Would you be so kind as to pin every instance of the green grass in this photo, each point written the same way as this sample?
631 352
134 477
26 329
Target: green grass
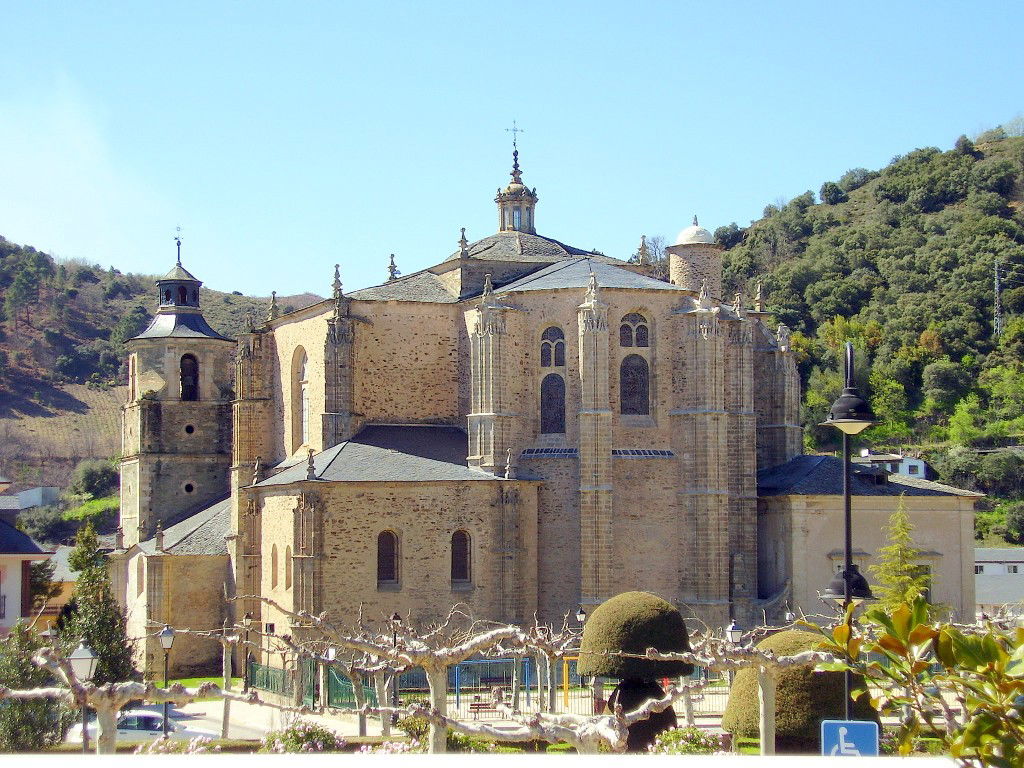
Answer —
94 509
195 682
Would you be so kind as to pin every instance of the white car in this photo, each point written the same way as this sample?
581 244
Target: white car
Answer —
138 725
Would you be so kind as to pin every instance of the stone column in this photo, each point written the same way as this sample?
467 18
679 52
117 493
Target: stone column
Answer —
595 450
339 371
490 420
741 466
699 439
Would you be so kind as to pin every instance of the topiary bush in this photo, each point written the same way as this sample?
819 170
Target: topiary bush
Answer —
803 698
633 622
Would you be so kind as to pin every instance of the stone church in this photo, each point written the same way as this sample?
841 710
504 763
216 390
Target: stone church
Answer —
523 428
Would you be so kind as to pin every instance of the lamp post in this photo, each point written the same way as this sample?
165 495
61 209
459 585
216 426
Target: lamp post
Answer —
395 621
166 641
83 664
733 633
246 622
581 615
851 415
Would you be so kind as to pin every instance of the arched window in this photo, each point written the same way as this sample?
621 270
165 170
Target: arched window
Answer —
167 296
300 399
634 386
288 567
182 295
273 566
461 557
633 331
552 348
140 575
189 377
552 405
387 558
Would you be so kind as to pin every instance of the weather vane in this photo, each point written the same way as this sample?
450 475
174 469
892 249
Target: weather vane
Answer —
177 239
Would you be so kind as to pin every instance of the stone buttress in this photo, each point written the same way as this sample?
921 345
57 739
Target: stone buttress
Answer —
490 419
595 452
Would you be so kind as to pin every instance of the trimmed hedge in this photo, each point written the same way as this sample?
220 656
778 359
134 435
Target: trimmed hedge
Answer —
633 622
802 698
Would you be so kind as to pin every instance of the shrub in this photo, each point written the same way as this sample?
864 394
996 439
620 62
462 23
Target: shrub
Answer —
462 742
200 745
633 622
391 748
94 478
803 698
301 736
25 726
686 741
415 728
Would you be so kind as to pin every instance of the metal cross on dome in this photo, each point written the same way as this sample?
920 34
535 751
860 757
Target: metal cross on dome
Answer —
514 130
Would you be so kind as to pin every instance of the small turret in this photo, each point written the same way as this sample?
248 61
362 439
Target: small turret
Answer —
695 259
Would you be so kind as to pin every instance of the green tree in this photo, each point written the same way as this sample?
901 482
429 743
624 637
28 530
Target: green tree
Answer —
1014 520
96 617
964 424
25 726
94 478
41 585
832 194
898 575
945 382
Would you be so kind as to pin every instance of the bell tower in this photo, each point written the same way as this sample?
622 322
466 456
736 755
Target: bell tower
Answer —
516 204
176 424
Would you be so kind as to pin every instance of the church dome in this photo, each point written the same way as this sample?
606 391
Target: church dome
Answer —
694 234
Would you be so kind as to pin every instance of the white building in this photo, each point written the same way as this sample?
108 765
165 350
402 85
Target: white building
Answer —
998 578
17 552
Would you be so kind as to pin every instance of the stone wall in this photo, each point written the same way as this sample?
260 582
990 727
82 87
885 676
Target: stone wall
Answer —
423 516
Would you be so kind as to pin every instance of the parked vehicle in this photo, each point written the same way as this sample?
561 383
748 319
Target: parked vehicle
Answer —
137 725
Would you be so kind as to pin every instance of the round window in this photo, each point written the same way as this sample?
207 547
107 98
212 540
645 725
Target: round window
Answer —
189 429
189 487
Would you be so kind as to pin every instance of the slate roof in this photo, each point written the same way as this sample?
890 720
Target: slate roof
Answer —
999 554
61 570
14 542
575 273
390 454
180 325
202 533
179 273
524 247
419 286
823 475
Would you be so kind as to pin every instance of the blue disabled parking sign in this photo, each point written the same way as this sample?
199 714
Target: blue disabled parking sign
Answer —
849 738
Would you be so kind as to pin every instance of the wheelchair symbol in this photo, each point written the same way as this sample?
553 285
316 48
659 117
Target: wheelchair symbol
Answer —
844 748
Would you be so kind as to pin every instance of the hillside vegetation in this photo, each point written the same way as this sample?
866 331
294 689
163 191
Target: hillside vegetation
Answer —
63 359
902 262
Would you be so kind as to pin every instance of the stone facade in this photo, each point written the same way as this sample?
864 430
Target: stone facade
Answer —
523 428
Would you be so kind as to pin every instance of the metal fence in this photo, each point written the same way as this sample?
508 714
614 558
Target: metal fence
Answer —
470 684
341 692
271 679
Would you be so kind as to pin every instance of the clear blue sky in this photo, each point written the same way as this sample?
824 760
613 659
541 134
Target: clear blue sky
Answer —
285 137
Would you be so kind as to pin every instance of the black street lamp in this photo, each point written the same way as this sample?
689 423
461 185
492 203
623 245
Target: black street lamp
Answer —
851 415
581 615
83 664
166 641
733 633
395 621
246 622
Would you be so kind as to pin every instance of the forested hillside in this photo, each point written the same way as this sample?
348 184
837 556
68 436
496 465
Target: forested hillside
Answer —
62 356
902 262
